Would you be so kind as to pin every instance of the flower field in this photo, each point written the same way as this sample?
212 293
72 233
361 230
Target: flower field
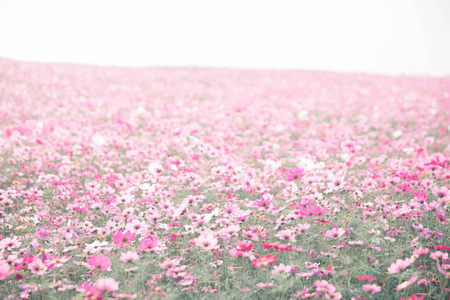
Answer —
196 183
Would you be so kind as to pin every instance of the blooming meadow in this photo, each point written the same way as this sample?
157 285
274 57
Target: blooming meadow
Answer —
191 183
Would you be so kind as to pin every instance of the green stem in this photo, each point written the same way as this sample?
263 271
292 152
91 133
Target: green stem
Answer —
443 289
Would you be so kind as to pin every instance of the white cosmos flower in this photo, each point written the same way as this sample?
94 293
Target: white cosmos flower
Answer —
154 166
97 243
302 115
409 150
98 140
397 133
279 128
345 157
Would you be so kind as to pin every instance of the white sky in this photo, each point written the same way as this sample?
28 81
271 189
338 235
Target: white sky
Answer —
398 37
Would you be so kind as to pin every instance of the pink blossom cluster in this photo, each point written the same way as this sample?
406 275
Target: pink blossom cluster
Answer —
133 183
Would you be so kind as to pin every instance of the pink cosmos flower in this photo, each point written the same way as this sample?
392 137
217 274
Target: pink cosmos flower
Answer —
169 263
176 272
264 285
336 184
304 294
129 256
310 211
37 267
326 289
295 174
137 227
230 210
187 281
10 243
5 269
414 242
264 261
303 227
419 252
124 296
148 243
277 246
23 263
264 203
373 288
283 269
446 273
123 239
285 234
399 265
334 233
283 247
107 284
414 297
244 245
440 192
207 241
100 262
368 278
407 283
404 189
90 291
439 255
358 243
424 281
235 252
57 262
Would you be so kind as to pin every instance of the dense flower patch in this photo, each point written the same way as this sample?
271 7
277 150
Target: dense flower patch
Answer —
135 183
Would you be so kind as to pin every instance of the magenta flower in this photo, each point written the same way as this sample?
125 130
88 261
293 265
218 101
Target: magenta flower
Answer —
264 261
24 262
310 211
404 189
264 203
244 245
295 174
277 246
123 239
368 278
90 291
